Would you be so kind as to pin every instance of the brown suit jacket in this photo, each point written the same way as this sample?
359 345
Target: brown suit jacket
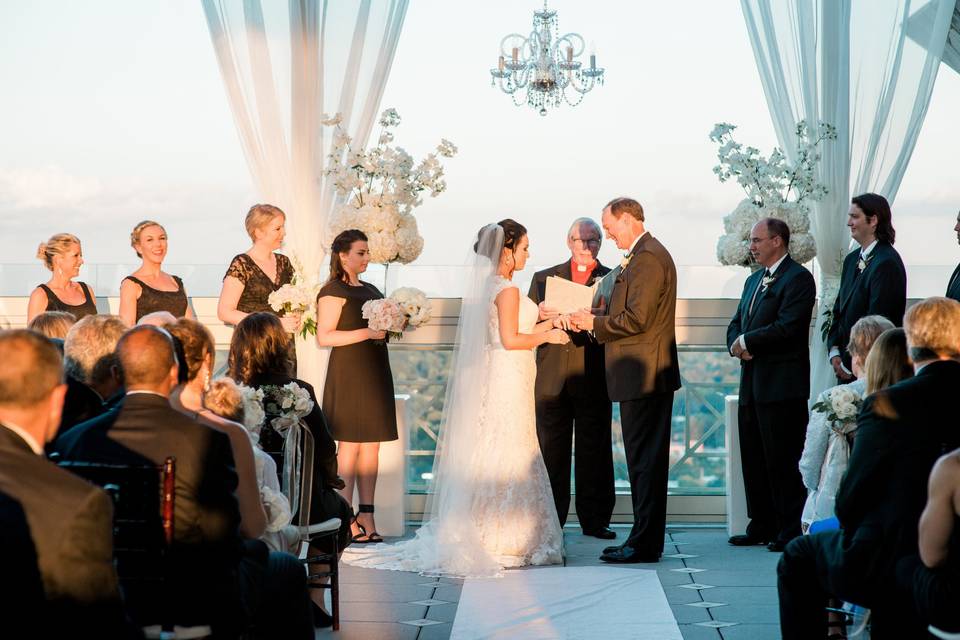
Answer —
71 523
638 334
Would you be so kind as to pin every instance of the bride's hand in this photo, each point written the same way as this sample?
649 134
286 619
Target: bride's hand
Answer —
562 322
557 336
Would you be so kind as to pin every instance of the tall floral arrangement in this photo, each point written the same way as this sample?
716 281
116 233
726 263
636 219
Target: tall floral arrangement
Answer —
775 189
380 187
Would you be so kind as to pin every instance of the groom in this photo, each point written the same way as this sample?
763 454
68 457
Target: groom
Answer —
640 347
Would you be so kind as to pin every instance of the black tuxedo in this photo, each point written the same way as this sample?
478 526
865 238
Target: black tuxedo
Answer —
71 525
572 404
953 285
774 387
902 430
881 289
640 350
145 430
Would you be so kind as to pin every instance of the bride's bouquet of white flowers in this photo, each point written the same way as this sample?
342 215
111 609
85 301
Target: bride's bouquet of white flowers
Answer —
380 188
299 297
841 405
406 308
774 188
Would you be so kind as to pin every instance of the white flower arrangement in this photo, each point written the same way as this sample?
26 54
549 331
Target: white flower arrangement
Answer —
406 309
841 404
288 404
253 413
380 187
300 297
774 190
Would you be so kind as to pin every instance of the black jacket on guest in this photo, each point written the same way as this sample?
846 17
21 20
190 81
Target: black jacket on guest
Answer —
578 365
881 289
79 405
776 334
145 429
953 285
902 430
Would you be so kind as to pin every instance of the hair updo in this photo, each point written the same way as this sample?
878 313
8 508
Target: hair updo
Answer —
137 230
513 232
57 245
259 216
342 244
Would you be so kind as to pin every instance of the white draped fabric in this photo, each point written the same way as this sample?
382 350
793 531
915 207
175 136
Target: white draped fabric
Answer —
849 63
284 65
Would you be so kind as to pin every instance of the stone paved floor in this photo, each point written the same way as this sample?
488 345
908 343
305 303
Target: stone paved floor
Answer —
388 605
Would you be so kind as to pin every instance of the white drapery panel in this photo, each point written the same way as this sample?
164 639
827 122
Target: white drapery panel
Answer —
849 63
283 66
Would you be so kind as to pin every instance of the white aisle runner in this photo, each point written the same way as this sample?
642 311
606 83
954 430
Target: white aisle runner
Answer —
566 602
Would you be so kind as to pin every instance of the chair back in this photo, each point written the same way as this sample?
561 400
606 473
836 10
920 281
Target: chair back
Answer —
300 500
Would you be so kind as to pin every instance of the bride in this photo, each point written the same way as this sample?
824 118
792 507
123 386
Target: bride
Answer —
490 505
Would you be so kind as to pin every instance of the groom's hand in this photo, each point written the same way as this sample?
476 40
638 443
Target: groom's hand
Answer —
547 313
582 319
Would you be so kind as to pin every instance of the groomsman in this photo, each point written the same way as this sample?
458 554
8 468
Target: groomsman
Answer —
571 397
640 351
953 285
873 281
770 334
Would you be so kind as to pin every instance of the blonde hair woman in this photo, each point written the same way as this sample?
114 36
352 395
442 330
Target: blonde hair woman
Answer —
53 324
61 254
259 271
149 288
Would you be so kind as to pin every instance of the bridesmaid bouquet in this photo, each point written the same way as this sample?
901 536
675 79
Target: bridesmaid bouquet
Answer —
297 298
841 406
406 308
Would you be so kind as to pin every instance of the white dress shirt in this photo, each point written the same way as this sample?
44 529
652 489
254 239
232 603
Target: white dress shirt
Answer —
773 270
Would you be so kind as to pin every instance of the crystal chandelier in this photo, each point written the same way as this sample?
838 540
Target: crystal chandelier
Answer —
542 69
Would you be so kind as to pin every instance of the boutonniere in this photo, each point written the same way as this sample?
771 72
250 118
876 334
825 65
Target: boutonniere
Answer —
862 263
767 281
625 260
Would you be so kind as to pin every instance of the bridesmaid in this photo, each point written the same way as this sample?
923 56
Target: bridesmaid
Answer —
61 254
255 274
358 395
149 288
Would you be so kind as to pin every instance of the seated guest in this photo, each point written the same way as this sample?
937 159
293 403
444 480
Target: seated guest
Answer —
21 589
827 445
198 351
157 319
93 377
53 324
902 430
149 289
208 582
225 399
888 362
259 358
934 577
70 521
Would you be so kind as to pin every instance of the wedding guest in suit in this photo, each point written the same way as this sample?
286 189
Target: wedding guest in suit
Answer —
769 333
358 395
902 431
953 285
259 359
61 254
188 397
873 280
640 351
259 271
571 397
934 577
149 288
53 324
70 521
214 577
21 588
94 378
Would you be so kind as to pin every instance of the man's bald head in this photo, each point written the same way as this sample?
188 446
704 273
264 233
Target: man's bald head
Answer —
148 360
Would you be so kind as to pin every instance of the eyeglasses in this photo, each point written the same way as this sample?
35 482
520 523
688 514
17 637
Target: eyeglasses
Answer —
585 241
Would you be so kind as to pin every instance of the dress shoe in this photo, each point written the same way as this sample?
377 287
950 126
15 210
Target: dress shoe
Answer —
777 546
746 540
615 547
321 619
629 555
604 533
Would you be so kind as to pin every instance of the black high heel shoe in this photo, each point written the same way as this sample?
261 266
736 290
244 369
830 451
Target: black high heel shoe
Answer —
321 618
365 538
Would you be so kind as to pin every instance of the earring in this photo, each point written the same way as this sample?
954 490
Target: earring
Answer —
206 382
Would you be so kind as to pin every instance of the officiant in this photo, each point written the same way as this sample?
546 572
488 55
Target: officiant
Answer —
571 397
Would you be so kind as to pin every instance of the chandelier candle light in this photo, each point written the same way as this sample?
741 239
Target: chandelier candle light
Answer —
542 69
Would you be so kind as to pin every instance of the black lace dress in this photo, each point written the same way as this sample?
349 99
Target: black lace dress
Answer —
358 395
152 300
257 286
87 308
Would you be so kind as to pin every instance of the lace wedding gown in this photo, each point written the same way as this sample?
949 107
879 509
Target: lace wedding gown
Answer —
508 518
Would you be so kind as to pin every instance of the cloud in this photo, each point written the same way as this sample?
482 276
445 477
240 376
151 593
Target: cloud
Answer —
46 187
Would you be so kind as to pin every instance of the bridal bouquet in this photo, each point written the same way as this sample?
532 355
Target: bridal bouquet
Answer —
774 188
380 188
840 404
406 308
300 297
288 404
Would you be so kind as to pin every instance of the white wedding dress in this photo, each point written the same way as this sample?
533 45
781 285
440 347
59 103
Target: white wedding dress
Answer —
492 507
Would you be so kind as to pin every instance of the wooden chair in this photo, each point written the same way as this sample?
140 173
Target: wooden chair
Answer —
143 526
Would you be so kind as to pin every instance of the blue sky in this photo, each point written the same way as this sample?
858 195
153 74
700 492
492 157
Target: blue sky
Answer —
115 112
